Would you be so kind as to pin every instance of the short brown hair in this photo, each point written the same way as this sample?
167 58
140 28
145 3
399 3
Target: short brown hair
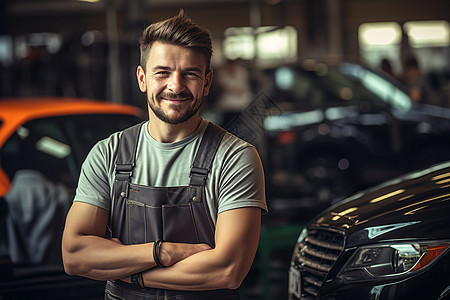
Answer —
180 31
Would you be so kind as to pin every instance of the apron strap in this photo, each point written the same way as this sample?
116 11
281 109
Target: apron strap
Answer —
126 157
205 154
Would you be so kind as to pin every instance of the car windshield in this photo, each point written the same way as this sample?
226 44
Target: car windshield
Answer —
379 86
347 84
43 160
57 146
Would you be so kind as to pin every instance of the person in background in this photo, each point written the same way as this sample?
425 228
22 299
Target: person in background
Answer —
386 67
233 89
419 87
170 208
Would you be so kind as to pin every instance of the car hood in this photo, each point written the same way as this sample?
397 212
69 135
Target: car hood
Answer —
414 206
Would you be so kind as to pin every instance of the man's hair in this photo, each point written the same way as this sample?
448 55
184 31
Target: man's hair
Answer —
179 31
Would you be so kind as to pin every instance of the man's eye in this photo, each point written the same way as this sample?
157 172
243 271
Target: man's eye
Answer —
191 74
162 73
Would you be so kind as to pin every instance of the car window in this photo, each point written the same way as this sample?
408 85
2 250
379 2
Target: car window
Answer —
378 86
328 86
57 146
321 87
38 145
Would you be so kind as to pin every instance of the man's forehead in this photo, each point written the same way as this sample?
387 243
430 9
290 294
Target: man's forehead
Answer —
171 56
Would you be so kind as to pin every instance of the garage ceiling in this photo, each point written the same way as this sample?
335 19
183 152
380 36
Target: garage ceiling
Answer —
18 7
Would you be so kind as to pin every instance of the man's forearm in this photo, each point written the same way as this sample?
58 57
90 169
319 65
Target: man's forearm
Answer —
102 259
202 271
86 252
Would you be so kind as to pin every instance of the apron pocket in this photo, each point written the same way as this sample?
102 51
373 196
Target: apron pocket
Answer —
179 225
143 223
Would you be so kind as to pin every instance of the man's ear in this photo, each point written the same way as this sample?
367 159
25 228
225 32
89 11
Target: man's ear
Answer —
140 74
208 82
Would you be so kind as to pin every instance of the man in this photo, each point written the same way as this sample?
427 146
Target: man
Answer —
183 204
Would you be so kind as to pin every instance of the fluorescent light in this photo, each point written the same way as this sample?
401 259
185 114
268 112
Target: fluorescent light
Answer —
264 43
428 33
53 147
379 34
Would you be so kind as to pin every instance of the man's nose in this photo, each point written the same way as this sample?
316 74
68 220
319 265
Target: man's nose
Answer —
176 83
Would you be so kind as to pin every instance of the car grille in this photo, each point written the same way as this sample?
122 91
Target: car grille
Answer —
316 255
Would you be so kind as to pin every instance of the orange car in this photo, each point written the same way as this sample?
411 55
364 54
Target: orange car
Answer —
53 135
43 143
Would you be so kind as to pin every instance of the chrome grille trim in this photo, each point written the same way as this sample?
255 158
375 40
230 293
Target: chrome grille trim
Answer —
311 291
322 244
313 281
321 267
316 255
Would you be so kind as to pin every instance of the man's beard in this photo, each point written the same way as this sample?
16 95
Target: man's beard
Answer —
180 118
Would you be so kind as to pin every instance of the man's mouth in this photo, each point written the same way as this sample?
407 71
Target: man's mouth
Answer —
176 98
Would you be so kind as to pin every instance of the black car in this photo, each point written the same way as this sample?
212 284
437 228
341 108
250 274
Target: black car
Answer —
339 128
388 242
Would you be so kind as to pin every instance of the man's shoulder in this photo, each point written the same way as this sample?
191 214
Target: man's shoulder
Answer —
235 150
108 146
232 141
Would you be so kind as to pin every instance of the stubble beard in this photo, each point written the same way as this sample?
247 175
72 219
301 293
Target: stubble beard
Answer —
154 104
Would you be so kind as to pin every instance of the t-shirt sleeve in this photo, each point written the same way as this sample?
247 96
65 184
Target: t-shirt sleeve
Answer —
94 183
242 181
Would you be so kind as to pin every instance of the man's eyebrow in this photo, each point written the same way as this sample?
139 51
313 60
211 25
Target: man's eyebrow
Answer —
156 68
193 69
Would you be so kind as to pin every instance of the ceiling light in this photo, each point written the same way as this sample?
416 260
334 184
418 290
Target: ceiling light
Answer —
90 1
428 33
379 34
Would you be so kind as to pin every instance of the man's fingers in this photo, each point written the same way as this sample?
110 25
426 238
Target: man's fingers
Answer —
116 240
171 253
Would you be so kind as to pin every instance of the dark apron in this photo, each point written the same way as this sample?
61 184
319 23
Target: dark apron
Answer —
143 214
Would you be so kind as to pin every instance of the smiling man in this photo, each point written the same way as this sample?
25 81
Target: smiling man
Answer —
170 208
176 83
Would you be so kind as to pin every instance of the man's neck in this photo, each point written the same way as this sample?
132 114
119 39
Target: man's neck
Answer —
167 133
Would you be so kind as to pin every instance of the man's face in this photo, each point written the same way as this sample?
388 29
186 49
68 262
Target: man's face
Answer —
175 82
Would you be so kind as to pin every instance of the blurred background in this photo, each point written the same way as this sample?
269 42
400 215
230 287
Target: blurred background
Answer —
89 48
337 95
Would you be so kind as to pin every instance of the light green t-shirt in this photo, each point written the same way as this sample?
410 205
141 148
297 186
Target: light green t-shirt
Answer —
235 180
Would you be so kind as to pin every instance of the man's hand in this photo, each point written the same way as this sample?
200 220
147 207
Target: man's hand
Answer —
171 253
117 241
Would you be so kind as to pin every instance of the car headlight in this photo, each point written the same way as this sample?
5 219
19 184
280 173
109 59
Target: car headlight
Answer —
370 262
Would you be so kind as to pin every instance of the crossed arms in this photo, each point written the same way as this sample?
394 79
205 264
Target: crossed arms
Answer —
86 252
